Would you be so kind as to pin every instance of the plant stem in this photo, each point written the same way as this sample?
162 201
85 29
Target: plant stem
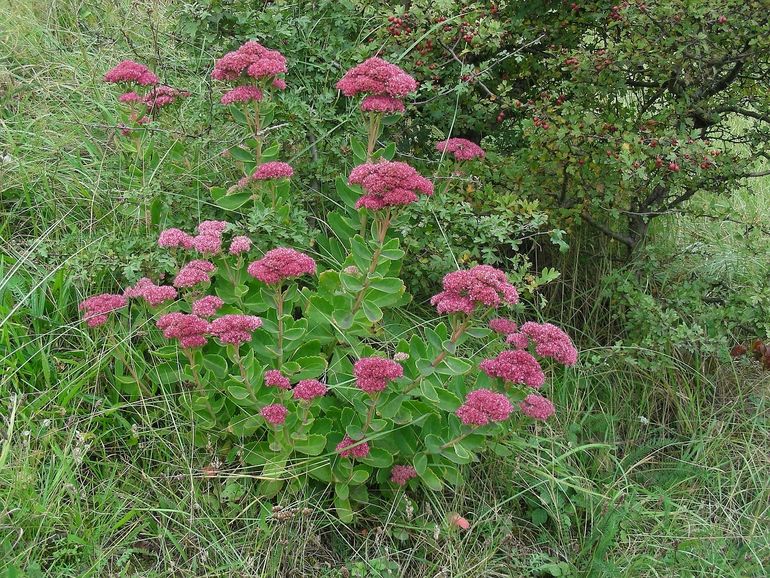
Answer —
382 230
373 130
257 135
453 441
196 375
370 413
279 310
127 365
456 334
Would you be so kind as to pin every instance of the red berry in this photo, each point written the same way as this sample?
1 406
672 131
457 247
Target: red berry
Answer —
673 167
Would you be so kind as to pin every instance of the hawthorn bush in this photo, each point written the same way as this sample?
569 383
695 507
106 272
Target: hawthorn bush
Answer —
292 361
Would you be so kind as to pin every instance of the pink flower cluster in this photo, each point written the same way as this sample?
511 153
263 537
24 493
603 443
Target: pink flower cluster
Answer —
503 326
515 367
272 170
309 389
374 373
388 184
189 330
253 59
207 306
274 414
129 71
377 77
129 97
208 240
235 329
274 378
197 271
347 449
480 285
537 407
243 93
280 264
98 307
160 96
550 341
152 293
175 239
240 244
461 149
483 406
402 474
386 104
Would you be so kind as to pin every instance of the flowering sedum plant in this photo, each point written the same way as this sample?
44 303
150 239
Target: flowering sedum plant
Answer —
292 360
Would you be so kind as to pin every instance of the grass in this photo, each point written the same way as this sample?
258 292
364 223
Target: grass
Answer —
658 470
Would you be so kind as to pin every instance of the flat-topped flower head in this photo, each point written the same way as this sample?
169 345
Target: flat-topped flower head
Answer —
160 96
374 373
129 97
551 341
131 72
388 184
309 389
274 414
175 239
152 293
195 272
97 308
376 76
385 104
272 170
483 406
189 330
279 83
402 474
503 326
537 407
207 244
239 245
243 93
281 264
207 306
347 448
235 329
461 149
518 367
251 59
274 378
482 285
212 227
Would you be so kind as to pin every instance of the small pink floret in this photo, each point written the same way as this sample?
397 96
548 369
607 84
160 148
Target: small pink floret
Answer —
98 307
274 414
347 449
235 329
129 71
402 474
280 264
482 285
483 406
374 373
518 367
377 77
152 293
309 389
461 149
384 104
537 407
274 378
207 306
388 184
272 170
240 245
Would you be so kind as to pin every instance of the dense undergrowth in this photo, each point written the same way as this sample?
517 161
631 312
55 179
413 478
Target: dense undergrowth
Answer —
656 462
